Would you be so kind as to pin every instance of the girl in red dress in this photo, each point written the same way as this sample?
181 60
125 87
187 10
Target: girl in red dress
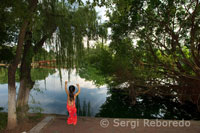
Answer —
71 106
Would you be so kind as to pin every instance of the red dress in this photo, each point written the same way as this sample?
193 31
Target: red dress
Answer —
72 119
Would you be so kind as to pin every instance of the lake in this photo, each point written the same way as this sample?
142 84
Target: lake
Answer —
49 96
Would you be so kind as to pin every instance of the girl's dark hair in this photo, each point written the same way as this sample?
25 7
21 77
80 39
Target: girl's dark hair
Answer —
71 92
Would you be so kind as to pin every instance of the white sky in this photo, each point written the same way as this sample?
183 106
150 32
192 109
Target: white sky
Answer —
101 11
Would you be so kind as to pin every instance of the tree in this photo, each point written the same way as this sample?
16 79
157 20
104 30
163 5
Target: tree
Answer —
168 31
36 23
12 122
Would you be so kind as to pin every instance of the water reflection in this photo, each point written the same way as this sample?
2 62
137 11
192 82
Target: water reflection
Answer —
85 110
118 105
49 96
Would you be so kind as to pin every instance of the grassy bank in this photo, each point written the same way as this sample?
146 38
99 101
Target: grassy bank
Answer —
3 120
33 119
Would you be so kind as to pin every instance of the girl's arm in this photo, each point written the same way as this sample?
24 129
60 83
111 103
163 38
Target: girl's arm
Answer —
66 88
79 89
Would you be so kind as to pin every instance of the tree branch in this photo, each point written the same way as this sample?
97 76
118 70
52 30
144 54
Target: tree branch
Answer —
40 43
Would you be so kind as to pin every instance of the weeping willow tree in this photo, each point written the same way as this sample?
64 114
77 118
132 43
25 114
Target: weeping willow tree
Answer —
60 25
77 24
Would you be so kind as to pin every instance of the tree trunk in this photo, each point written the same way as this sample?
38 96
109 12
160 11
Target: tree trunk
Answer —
26 83
132 94
22 99
12 121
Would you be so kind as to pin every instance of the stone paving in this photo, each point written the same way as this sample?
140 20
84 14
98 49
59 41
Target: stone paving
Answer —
116 125
41 124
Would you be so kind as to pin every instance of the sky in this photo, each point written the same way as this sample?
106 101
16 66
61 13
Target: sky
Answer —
101 11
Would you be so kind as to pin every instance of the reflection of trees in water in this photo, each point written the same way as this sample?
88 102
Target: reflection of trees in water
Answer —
85 110
36 108
41 73
36 74
149 107
4 75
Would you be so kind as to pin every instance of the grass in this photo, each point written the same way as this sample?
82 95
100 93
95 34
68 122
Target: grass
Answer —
4 116
35 117
3 120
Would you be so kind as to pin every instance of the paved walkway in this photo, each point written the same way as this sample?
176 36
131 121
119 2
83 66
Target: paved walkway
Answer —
112 125
41 124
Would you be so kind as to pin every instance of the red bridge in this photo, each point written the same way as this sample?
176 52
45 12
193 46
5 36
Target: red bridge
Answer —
46 62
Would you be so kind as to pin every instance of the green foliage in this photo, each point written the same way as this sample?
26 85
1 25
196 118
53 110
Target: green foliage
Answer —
186 51
117 64
90 73
6 54
167 44
9 22
69 21
96 65
76 24
43 54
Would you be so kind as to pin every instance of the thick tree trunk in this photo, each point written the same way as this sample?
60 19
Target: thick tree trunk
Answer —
22 99
12 121
26 84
